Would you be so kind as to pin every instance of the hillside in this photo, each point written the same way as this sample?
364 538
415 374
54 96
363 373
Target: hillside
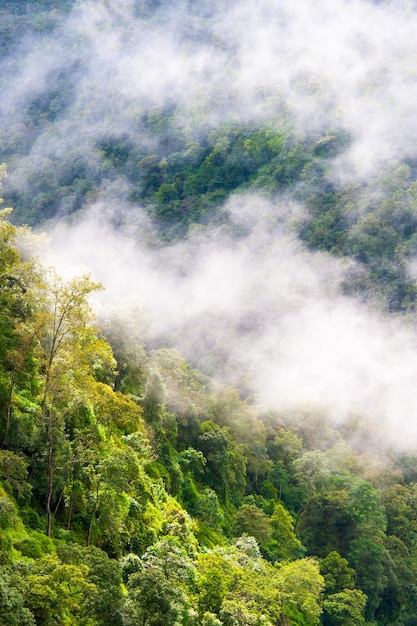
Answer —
133 489
207 376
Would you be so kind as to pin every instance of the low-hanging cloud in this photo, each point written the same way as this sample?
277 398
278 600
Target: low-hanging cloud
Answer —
337 63
258 310
258 307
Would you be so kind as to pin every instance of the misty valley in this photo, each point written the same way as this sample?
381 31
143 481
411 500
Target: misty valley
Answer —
208 294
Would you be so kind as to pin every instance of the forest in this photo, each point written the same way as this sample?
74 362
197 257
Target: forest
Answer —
146 477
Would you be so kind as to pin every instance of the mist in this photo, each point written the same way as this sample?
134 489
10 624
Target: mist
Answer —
259 307
259 312
340 63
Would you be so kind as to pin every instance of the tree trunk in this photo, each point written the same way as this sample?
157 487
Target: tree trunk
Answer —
50 475
61 495
8 410
93 514
118 376
71 503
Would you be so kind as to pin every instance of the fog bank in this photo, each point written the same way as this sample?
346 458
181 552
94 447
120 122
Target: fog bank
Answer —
257 307
258 311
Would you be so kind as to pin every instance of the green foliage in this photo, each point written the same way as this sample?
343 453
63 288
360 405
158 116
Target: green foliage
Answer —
208 509
301 585
215 578
367 557
238 585
158 588
252 521
13 474
226 464
106 605
141 472
8 512
345 608
337 573
56 591
12 609
35 545
286 546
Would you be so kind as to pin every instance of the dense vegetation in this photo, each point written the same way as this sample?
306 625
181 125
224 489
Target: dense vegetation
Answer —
182 182
135 492
133 489
181 167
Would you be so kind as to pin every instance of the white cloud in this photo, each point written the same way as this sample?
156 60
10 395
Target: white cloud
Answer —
335 62
260 303
258 308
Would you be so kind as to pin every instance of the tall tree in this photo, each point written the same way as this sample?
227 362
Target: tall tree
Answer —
70 348
17 304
